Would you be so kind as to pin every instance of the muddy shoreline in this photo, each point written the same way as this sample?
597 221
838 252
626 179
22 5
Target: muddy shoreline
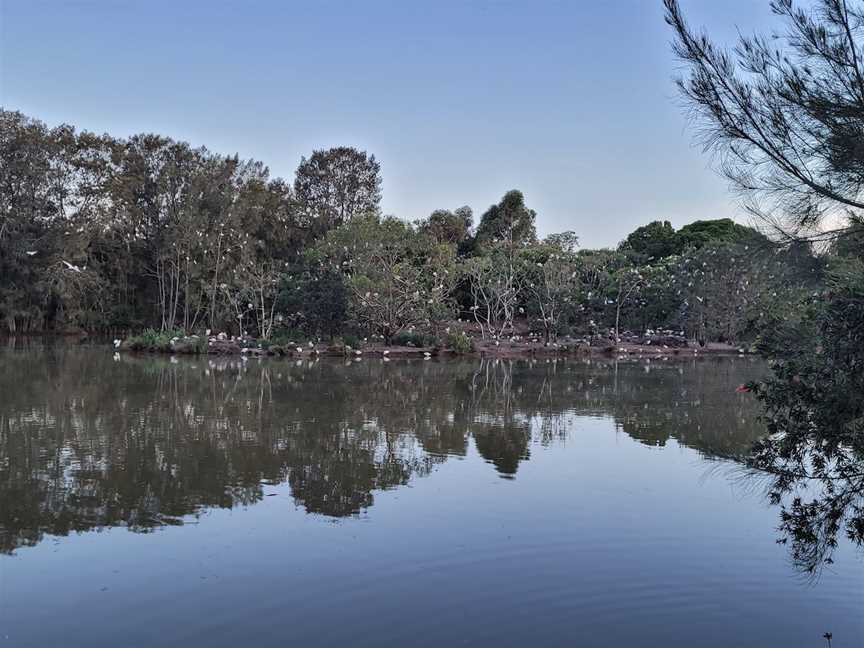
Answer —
502 349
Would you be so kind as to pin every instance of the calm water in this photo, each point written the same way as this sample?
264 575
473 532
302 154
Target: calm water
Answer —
149 501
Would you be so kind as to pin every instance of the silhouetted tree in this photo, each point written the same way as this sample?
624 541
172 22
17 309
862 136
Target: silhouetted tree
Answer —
445 226
510 222
334 185
785 115
700 233
653 241
314 298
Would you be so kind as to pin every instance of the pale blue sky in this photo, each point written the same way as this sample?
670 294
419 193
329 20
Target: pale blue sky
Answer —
571 102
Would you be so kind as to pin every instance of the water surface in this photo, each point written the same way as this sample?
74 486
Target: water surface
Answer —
174 502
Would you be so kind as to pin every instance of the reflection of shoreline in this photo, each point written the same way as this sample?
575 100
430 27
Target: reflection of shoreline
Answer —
87 442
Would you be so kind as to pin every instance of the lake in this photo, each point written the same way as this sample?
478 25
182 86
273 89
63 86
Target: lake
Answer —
225 502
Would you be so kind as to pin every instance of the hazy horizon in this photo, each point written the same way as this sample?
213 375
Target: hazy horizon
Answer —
460 102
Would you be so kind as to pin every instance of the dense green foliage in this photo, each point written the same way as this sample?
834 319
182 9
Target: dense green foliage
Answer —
100 233
815 415
652 241
104 233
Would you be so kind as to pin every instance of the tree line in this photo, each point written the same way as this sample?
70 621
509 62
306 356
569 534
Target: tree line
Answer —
107 234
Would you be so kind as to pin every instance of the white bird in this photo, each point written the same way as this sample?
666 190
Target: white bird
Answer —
70 266
117 343
30 252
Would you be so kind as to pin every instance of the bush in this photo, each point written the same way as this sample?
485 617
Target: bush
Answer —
314 299
285 337
412 339
190 345
153 340
172 341
460 343
350 340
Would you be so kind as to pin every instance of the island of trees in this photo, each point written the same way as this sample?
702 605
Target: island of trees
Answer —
123 235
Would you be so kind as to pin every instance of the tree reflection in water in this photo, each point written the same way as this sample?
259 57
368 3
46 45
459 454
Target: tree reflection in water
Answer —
88 442
813 456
